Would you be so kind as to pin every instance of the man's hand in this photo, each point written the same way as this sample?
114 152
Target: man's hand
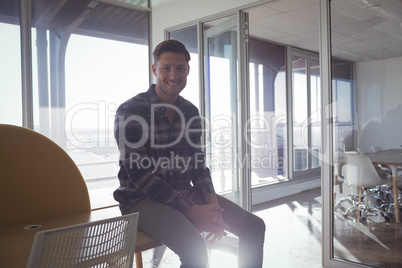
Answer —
205 217
211 199
208 218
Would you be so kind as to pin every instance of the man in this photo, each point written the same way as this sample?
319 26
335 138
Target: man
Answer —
163 174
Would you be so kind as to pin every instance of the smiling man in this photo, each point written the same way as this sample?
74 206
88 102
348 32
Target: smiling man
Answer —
176 199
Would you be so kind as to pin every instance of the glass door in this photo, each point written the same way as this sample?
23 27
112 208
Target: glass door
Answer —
361 90
222 105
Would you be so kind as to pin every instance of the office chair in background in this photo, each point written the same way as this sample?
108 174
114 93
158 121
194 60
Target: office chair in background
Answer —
369 193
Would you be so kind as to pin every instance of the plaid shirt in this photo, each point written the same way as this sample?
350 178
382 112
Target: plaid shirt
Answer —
160 160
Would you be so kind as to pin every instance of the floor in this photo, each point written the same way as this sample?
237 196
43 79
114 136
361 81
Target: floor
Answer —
293 236
378 242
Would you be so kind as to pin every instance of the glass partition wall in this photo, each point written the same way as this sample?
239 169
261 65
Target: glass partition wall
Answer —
278 112
359 89
367 126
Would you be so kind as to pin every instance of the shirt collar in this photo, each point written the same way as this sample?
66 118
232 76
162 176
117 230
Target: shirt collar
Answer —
153 98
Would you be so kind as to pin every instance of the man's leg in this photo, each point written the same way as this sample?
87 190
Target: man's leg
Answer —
249 228
173 229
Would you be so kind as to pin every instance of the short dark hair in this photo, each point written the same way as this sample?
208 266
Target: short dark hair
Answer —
170 45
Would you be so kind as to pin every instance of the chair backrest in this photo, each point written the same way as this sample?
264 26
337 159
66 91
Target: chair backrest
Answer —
359 171
38 180
376 148
104 243
363 150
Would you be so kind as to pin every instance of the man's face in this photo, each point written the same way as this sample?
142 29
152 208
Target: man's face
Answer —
171 73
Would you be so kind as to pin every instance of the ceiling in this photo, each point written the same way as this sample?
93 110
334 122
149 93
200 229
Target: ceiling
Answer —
361 29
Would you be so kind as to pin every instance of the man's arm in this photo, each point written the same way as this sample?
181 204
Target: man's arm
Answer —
129 135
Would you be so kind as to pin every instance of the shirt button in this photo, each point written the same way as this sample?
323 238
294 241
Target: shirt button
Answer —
171 174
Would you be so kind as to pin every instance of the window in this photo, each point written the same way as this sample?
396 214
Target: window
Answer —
306 99
10 65
344 108
268 113
96 84
87 58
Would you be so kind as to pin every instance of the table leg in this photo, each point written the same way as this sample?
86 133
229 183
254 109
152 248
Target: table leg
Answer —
336 182
396 202
138 260
396 195
360 202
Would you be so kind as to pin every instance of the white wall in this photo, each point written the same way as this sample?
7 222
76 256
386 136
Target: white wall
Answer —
176 12
379 100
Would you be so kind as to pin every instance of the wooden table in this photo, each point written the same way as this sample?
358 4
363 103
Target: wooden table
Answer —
16 241
391 158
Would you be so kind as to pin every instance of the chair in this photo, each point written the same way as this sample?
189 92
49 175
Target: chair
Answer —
103 243
40 181
376 148
382 170
366 185
363 150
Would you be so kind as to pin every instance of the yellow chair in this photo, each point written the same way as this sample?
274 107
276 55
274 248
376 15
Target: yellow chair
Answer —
40 181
